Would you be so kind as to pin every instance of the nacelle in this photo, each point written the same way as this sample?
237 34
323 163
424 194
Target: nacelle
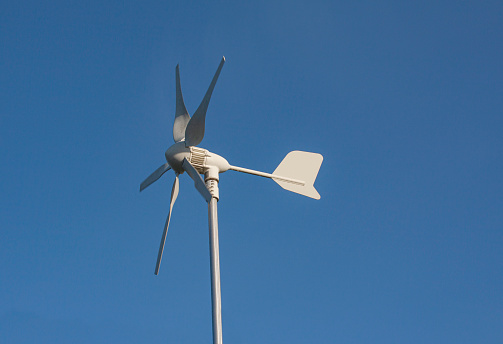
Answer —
202 159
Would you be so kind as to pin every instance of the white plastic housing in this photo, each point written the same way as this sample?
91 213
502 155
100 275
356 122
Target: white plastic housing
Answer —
200 158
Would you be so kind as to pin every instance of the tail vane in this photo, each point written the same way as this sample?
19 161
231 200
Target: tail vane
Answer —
302 166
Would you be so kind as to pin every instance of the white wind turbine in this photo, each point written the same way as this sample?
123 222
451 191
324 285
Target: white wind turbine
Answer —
297 173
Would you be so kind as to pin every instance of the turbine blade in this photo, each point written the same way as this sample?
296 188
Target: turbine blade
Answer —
154 176
195 129
182 116
174 195
198 181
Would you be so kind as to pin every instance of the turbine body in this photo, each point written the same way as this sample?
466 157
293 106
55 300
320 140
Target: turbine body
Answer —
297 173
202 159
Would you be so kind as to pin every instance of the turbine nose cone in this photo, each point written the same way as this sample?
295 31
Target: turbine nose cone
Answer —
175 155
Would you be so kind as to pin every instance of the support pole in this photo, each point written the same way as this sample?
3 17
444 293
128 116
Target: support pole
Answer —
216 300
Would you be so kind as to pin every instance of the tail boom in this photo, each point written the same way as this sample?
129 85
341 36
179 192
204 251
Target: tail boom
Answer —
297 173
267 175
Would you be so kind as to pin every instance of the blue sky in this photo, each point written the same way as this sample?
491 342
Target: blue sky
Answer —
403 100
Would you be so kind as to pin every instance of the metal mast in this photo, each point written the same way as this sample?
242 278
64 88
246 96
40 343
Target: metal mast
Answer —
211 181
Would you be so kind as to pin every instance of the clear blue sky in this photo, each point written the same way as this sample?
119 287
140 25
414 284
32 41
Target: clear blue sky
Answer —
403 99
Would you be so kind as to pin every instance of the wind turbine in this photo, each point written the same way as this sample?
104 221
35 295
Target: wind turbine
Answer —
297 173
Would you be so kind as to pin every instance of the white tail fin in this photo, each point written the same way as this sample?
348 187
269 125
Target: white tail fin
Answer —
302 166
